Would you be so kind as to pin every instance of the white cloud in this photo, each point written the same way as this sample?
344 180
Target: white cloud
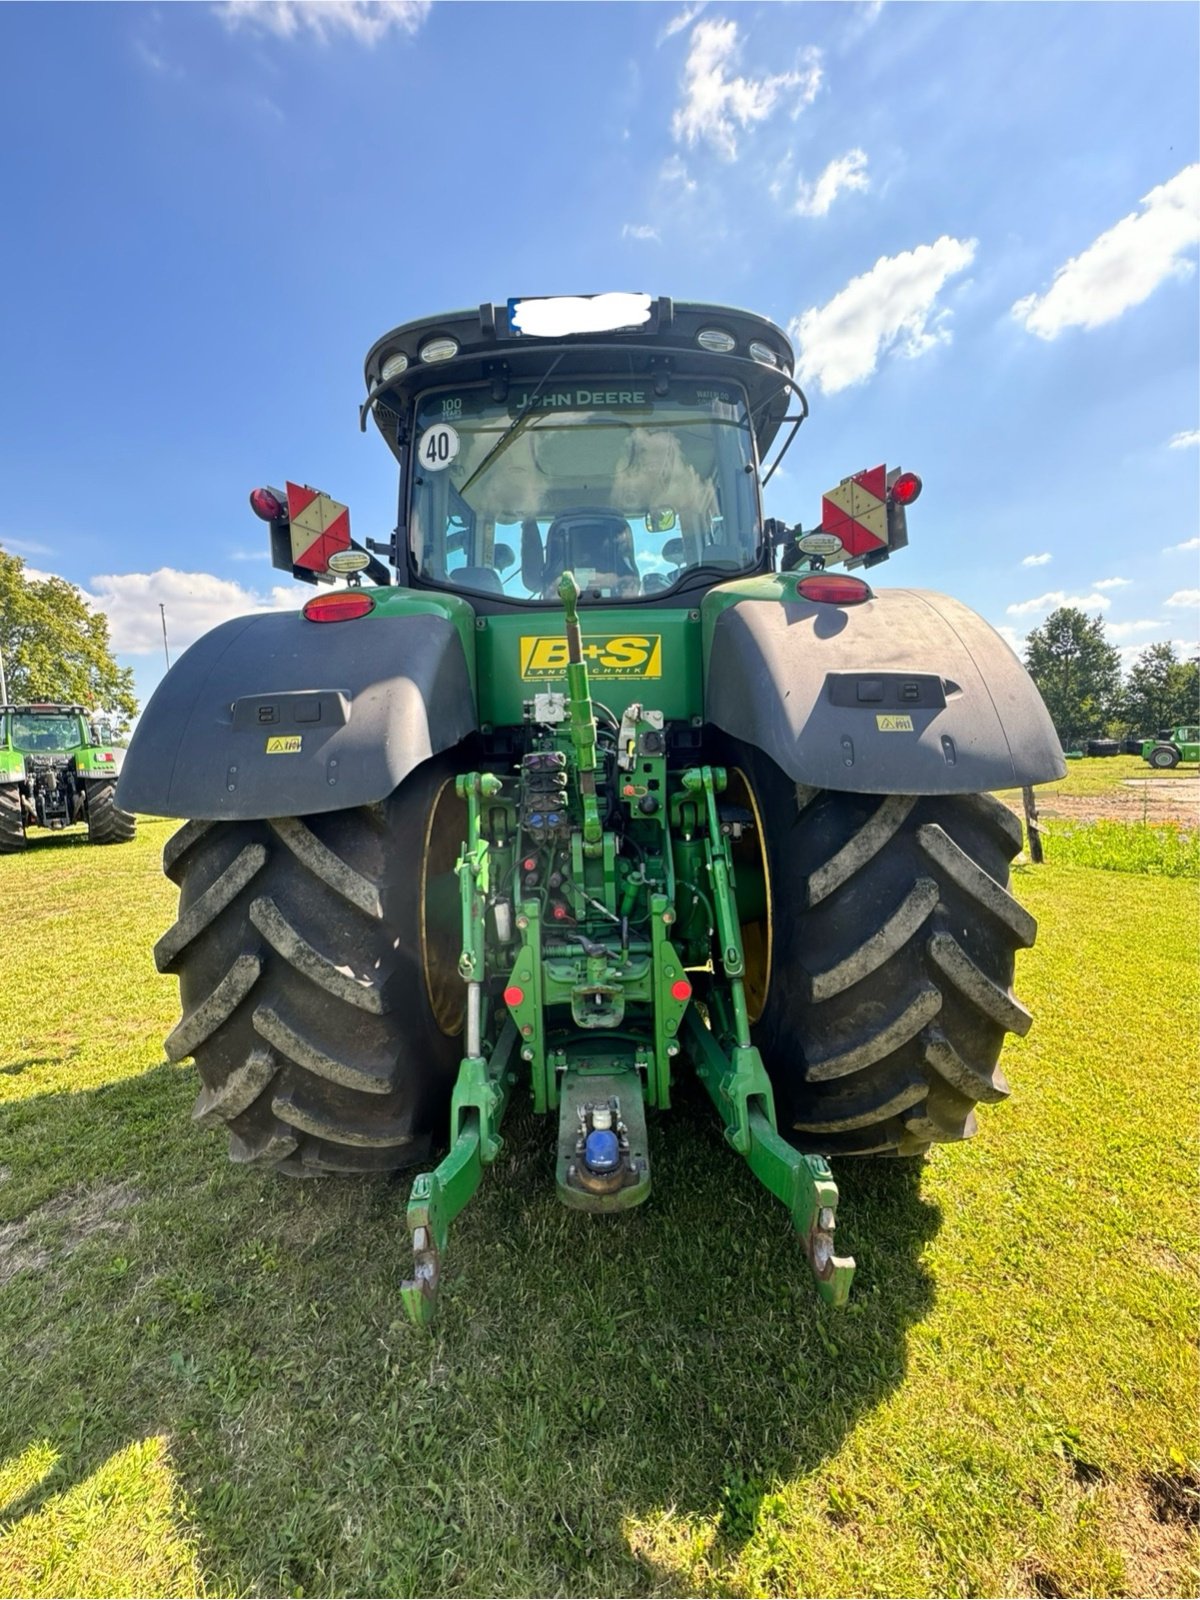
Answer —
249 555
1110 583
1055 599
194 602
714 104
24 547
1036 561
638 230
673 170
843 173
1122 630
890 307
1184 597
366 21
681 20
1124 266
1014 640
1184 441
1188 544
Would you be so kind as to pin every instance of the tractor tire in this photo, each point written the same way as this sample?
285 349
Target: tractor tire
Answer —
1164 757
12 820
106 822
1103 747
324 1036
887 962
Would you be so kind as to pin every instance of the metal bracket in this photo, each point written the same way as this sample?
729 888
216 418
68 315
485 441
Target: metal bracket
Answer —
742 1094
437 1197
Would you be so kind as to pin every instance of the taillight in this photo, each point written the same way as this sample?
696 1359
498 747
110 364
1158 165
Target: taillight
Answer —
905 489
834 589
343 606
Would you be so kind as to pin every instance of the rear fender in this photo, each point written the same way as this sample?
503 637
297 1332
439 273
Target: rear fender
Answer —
273 715
910 692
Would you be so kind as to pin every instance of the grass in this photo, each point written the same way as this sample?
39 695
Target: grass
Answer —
209 1388
1097 775
1160 850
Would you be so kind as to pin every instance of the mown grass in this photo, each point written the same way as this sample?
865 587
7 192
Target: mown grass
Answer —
1097 775
1159 850
208 1385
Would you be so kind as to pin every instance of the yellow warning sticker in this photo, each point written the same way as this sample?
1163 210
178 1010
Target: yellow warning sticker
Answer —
893 724
621 655
287 745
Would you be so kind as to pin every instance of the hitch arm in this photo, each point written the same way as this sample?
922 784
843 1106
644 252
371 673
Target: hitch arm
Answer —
741 1092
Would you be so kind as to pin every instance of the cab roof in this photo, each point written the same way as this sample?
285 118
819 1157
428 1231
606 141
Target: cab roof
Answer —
490 348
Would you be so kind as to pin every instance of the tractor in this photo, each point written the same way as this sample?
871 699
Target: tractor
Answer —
615 783
58 767
1172 747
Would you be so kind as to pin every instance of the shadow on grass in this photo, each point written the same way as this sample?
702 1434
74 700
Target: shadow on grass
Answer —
586 1376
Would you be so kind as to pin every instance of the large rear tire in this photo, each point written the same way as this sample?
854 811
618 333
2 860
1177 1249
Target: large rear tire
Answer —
893 937
319 1003
12 821
106 822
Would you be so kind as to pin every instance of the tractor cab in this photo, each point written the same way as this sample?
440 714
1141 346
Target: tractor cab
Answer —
611 436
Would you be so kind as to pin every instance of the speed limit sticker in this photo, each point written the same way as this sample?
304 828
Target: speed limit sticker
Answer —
437 447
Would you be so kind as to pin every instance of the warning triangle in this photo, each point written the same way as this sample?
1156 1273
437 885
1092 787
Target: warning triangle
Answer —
299 498
874 479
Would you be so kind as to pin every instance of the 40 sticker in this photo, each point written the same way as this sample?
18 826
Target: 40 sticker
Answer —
617 655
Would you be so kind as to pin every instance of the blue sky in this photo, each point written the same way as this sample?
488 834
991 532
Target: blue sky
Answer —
979 223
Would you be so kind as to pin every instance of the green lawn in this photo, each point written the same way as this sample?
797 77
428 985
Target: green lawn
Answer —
208 1385
1093 775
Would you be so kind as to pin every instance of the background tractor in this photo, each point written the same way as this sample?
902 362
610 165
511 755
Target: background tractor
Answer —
615 784
57 768
1169 749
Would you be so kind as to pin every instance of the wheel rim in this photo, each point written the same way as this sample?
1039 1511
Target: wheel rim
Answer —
441 928
750 860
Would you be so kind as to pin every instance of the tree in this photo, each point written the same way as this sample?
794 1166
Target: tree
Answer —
54 647
1077 671
1161 691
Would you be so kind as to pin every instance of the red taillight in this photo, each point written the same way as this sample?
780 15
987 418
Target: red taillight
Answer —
906 488
265 503
833 589
513 996
681 989
343 606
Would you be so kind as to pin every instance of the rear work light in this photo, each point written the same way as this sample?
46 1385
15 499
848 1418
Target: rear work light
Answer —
341 607
834 589
906 489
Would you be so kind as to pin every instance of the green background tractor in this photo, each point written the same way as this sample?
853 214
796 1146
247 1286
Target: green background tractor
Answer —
57 768
615 785
1181 744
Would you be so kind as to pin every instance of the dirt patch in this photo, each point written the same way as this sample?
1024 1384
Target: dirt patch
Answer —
1156 1534
81 1213
1137 800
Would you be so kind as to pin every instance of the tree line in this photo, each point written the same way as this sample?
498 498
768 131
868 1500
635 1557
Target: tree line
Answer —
1079 675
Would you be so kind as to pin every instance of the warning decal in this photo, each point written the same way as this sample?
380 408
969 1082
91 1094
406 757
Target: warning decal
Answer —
856 511
288 744
894 724
320 526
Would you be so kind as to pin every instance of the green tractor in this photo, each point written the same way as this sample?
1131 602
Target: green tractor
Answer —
58 767
617 783
1169 749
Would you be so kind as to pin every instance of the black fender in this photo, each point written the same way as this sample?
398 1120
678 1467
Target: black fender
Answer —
910 692
273 715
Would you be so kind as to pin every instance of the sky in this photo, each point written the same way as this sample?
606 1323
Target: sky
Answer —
979 224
